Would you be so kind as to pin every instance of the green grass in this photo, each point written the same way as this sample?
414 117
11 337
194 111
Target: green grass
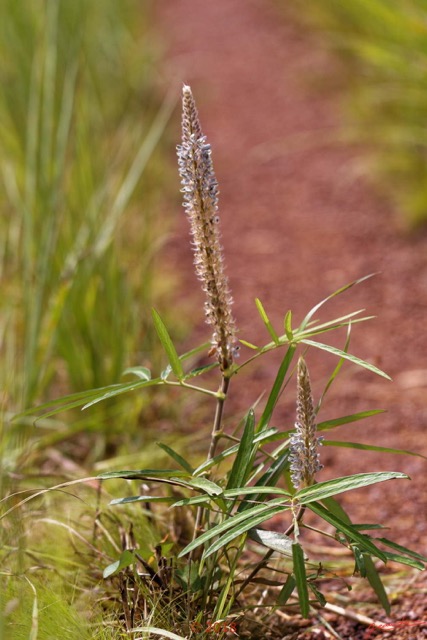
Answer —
382 46
81 176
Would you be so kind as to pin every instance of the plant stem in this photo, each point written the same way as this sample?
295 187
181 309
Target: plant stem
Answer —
218 416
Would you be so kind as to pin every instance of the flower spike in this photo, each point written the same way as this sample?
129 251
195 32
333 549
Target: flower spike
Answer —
304 443
200 189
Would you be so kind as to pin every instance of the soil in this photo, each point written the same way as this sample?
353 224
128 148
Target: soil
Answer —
299 219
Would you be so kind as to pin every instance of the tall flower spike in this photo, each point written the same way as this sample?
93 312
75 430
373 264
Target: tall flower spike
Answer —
304 442
200 189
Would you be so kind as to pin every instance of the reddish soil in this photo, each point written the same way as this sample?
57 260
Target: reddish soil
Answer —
299 219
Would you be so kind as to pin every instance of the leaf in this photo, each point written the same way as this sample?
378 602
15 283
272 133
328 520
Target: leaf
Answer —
317 594
288 326
354 417
245 454
270 477
405 550
311 313
277 387
249 345
175 456
250 522
346 356
198 371
264 437
300 579
231 522
141 474
158 632
205 485
273 540
335 372
131 499
328 488
363 540
126 559
168 345
334 507
369 447
234 493
119 389
286 591
375 582
395 557
140 372
266 321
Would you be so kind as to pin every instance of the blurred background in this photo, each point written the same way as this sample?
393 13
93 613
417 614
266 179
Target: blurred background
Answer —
316 116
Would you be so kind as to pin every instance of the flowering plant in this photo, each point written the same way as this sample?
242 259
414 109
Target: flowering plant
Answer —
236 490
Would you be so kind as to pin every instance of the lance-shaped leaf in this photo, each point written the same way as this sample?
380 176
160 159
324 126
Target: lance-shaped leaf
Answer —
328 488
375 582
168 345
277 388
245 454
347 356
300 579
272 540
266 321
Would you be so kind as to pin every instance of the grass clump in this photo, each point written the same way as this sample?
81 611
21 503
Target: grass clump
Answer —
79 127
215 562
381 45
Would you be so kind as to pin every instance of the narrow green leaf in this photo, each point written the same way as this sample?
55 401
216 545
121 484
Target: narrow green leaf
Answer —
131 499
231 522
272 540
234 493
288 326
126 559
317 594
193 352
158 632
265 436
363 540
175 456
404 550
244 458
266 321
168 345
335 371
359 560
346 356
205 485
369 447
249 345
300 579
334 507
119 389
140 372
269 478
333 487
354 417
286 591
198 371
277 387
375 582
410 562
250 522
311 313
141 474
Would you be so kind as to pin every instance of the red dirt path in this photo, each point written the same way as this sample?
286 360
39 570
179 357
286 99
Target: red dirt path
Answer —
299 219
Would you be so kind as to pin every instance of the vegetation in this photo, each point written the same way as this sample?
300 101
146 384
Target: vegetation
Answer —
184 553
381 44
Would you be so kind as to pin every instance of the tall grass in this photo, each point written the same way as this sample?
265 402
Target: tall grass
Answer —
382 44
79 124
